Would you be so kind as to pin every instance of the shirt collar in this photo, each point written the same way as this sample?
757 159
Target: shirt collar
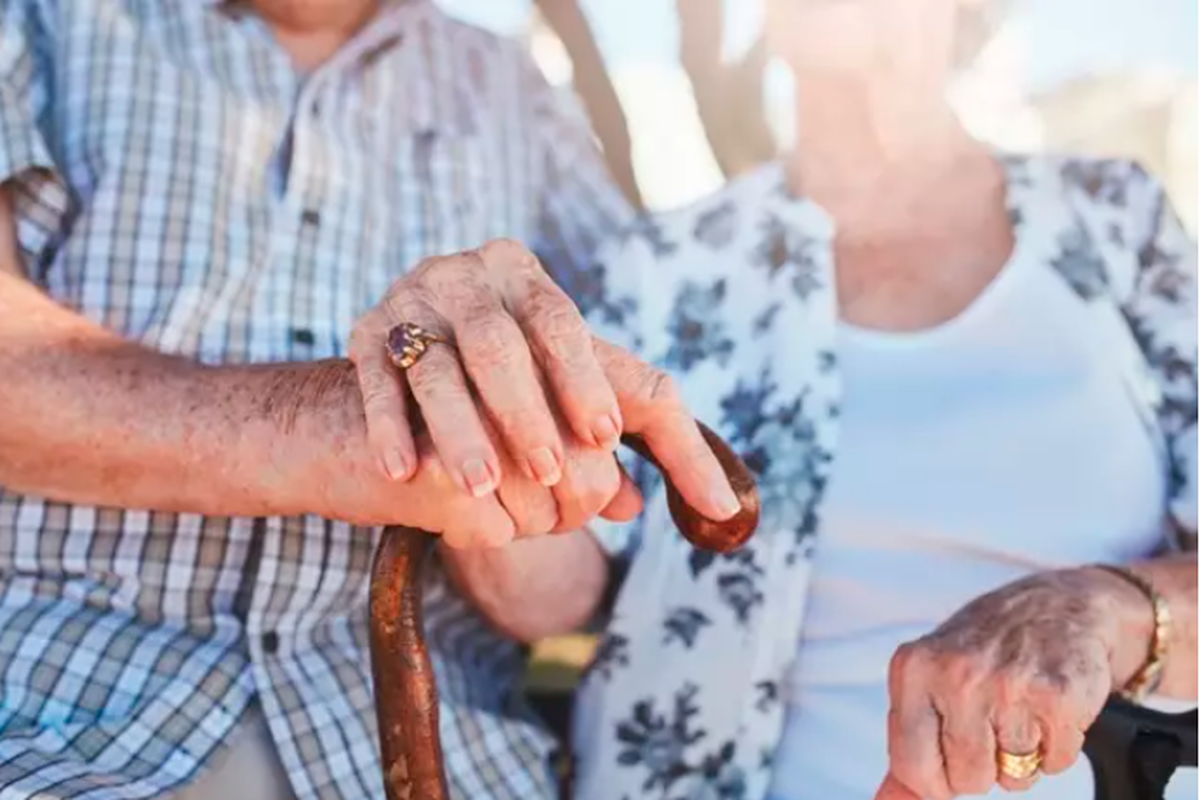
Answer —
435 103
238 6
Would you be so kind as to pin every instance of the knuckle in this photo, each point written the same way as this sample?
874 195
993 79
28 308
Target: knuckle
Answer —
376 398
525 427
424 381
561 333
448 278
904 659
425 269
375 386
1014 686
508 251
657 389
433 385
489 342
968 672
543 298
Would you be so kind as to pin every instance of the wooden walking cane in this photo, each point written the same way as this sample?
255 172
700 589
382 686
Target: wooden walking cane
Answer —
406 699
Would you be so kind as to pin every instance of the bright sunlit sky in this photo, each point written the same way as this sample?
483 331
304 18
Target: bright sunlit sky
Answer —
1064 37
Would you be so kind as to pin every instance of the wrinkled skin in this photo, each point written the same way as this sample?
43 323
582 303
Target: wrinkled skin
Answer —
1025 668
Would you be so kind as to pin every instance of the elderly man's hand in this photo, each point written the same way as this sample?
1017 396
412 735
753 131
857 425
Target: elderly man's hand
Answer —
521 360
593 485
1025 669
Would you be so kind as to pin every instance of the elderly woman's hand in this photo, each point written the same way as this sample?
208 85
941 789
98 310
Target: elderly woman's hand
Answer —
518 358
1023 670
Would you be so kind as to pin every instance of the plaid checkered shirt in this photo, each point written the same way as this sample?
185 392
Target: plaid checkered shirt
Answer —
178 181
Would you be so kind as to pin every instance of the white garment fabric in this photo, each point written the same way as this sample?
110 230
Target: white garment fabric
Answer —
968 458
735 297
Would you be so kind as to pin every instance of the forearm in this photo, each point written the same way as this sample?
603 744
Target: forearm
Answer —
533 588
92 418
1174 577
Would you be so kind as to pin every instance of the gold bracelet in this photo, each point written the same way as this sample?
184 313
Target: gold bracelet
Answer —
1147 678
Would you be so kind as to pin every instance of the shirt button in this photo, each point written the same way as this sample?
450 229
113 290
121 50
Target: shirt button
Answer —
311 217
270 643
303 336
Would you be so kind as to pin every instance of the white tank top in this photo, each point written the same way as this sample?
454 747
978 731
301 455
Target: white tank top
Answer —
998 444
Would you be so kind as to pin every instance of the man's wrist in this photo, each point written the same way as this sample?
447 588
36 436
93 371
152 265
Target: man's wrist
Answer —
485 576
310 416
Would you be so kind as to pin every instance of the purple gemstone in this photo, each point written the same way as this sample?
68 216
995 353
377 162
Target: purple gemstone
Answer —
401 338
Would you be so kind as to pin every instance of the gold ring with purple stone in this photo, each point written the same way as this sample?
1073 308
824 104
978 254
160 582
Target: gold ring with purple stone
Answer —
407 342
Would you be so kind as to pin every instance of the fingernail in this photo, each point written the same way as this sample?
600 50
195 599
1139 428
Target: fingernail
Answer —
607 431
544 466
726 501
395 464
478 477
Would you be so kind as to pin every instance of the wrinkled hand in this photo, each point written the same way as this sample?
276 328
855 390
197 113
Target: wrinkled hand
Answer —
525 366
593 484
1024 669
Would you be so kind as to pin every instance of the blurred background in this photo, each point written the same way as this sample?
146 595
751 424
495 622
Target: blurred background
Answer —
681 95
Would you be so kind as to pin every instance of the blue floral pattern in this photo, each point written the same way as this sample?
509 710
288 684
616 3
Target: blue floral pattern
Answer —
735 298
696 326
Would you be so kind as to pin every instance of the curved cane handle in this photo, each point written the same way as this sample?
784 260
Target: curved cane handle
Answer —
1135 750
406 702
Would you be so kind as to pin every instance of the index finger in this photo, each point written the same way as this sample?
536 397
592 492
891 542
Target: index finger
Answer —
651 406
915 727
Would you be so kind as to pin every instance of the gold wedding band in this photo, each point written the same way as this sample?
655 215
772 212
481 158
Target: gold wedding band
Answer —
407 342
1020 767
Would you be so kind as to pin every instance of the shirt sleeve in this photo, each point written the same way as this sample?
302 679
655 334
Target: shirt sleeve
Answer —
1161 308
27 164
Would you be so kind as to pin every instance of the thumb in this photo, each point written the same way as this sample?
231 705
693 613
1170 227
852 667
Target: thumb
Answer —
651 407
893 789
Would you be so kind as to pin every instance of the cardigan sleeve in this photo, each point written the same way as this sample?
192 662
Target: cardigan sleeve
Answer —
1161 309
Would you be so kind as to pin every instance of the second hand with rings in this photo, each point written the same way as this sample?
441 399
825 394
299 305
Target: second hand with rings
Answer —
407 342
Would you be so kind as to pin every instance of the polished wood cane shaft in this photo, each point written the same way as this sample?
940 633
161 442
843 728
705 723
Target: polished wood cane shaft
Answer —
405 690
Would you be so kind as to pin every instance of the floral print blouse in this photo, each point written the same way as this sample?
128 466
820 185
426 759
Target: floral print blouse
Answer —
735 298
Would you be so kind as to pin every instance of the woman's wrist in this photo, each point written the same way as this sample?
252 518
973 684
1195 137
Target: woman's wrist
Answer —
1137 639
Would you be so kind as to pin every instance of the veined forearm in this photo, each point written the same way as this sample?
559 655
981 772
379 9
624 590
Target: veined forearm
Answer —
533 588
91 418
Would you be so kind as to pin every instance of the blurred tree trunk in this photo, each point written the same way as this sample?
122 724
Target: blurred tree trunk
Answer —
595 87
729 96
